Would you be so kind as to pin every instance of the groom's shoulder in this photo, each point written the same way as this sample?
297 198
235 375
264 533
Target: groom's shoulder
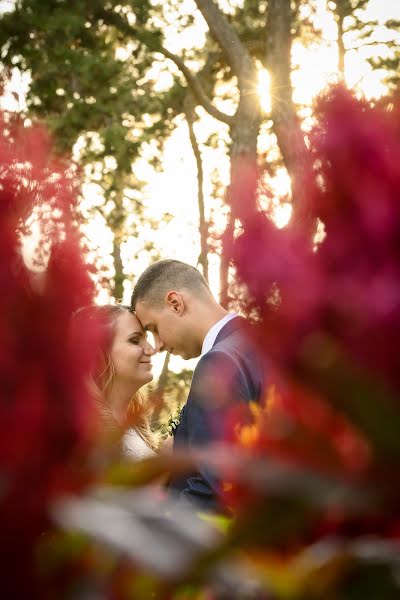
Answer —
235 346
234 362
238 334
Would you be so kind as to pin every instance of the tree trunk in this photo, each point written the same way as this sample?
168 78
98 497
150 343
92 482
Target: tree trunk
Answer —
246 122
286 124
164 374
340 13
158 396
227 239
242 189
341 50
221 30
203 225
118 287
244 129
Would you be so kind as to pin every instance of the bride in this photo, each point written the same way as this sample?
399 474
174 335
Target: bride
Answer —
122 366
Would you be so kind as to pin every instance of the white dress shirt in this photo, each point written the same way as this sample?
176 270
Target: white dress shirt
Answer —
214 331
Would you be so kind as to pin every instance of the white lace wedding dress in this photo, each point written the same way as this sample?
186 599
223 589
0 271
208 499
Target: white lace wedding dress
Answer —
134 447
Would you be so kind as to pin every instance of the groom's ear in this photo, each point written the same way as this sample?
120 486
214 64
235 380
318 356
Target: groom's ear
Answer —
175 302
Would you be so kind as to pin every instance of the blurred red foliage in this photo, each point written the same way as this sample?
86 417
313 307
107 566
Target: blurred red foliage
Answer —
344 292
330 308
327 310
46 417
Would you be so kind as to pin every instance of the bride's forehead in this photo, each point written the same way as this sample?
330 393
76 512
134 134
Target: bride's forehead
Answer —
128 319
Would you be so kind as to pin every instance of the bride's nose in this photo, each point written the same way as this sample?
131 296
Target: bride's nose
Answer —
148 349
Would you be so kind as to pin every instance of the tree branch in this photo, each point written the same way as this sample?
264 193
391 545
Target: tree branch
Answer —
285 120
235 52
203 226
238 58
197 89
373 43
154 45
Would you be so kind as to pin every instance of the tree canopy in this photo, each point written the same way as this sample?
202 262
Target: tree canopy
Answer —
107 74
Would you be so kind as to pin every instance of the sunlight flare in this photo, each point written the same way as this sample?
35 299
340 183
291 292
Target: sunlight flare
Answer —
264 90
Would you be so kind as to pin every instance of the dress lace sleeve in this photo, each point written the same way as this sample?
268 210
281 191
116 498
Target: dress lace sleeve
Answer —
134 447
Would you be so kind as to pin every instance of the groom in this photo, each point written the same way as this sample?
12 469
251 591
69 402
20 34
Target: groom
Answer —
173 301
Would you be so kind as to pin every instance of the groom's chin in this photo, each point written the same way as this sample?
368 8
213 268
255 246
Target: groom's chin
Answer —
192 353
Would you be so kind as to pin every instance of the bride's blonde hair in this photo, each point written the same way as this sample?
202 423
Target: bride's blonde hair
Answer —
102 376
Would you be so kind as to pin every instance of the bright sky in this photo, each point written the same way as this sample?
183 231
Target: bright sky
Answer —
175 188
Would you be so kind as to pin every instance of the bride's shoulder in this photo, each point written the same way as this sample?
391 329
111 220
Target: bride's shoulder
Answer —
134 446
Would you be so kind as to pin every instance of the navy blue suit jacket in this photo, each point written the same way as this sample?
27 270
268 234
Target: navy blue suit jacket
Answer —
231 372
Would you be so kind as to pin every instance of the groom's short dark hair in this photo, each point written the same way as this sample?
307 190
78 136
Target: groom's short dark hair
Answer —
164 275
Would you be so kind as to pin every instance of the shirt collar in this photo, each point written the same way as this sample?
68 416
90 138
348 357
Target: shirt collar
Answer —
214 331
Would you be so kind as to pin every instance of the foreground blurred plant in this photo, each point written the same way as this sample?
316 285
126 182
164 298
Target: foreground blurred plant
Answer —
331 314
328 319
46 418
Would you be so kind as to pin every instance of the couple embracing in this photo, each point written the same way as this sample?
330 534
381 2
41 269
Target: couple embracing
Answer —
172 301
